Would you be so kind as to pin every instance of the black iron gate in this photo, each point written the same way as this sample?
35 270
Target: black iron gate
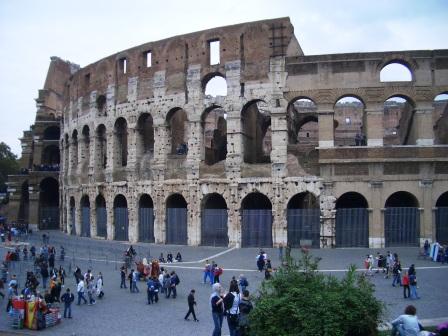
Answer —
352 227
121 220
49 217
256 227
146 225
442 225
176 226
214 227
303 227
72 221
101 222
85 222
402 226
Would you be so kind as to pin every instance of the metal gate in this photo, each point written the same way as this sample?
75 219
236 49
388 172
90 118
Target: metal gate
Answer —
121 221
352 227
72 221
176 226
85 223
214 227
402 226
49 217
256 227
442 225
146 225
101 222
303 227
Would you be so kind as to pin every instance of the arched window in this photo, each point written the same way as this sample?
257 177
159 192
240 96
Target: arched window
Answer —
101 148
145 140
177 121
395 72
121 142
398 121
348 114
52 133
50 157
74 151
440 119
85 148
214 125
215 85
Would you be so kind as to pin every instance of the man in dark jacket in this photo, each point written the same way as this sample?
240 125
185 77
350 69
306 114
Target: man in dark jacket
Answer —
191 304
68 298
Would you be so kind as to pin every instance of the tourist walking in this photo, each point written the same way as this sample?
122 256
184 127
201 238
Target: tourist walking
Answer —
68 298
150 290
123 277
191 303
207 273
243 282
174 282
396 271
216 302
135 276
99 286
413 286
91 290
81 289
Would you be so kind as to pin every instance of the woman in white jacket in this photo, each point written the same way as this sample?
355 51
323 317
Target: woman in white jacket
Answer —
99 286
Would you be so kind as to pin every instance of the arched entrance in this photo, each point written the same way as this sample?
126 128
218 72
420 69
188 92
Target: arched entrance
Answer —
442 219
176 220
303 218
121 218
85 216
24 207
101 216
214 221
72 216
352 221
49 204
401 220
146 219
256 221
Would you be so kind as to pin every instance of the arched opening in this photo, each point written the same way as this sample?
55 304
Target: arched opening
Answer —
440 119
146 219
121 218
101 216
50 158
66 148
398 121
442 219
100 150
24 208
85 216
303 220
177 121
121 142
214 221
145 144
256 221
176 220
52 133
401 220
214 125
86 147
396 72
348 115
256 128
101 105
74 152
72 216
215 85
49 204
352 220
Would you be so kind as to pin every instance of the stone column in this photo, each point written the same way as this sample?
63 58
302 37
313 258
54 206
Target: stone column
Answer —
110 156
161 149
234 157
78 216
131 166
373 125
159 214
133 218
279 209
93 230
110 216
279 129
92 158
234 217
194 149
427 220
423 121
34 206
194 214
376 216
326 126
328 214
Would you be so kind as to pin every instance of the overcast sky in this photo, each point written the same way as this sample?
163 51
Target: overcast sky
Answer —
83 32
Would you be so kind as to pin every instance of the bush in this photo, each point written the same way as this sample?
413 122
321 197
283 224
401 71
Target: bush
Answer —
298 300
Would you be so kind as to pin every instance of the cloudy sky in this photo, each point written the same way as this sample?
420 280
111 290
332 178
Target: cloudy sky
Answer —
84 31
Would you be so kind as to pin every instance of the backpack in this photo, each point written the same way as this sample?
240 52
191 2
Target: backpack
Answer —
228 301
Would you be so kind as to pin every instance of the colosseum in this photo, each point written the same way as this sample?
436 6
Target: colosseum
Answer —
316 151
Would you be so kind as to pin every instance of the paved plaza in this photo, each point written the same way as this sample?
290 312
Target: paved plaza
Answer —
121 312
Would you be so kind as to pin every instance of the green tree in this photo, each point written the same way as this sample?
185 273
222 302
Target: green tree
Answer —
8 165
299 300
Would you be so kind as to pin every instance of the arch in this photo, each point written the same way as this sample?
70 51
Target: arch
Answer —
101 105
214 84
256 221
24 207
399 128
440 118
85 216
85 150
101 148
49 204
101 216
352 220
256 131
72 216
121 218
146 219
214 131
121 142
52 133
300 111
74 151
51 157
396 71
214 221
177 122
176 220
401 220
442 219
145 128
349 115
303 220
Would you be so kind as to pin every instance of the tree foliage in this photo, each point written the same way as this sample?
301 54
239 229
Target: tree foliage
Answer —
299 300
8 164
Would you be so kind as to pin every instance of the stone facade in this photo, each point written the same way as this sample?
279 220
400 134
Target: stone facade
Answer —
137 123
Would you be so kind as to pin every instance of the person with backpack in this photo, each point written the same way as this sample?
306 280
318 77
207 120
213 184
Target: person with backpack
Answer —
413 286
150 290
231 305
245 308
68 298
174 283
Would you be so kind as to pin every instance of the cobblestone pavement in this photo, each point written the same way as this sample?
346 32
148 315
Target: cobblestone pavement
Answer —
121 312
